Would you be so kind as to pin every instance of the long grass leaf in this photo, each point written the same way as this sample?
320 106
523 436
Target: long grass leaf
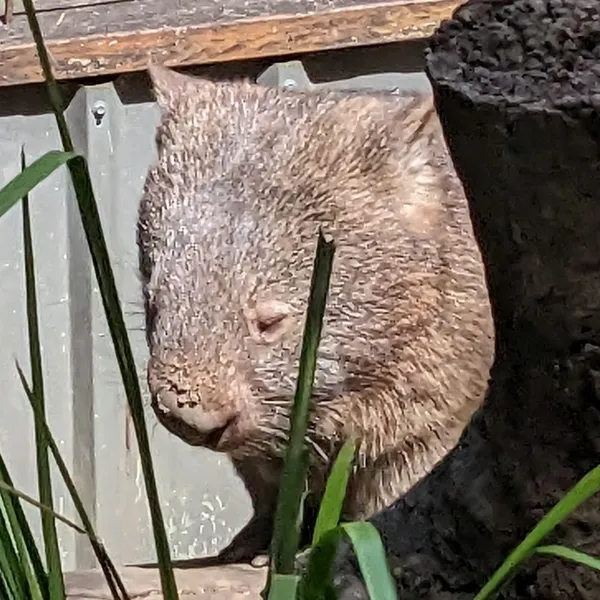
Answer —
127 366
88 210
283 587
24 540
569 554
335 491
5 591
372 560
370 553
19 494
113 579
316 582
10 563
27 179
56 584
287 518
586 487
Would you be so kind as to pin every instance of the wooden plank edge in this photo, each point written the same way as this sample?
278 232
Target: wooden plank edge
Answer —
227 582
202 44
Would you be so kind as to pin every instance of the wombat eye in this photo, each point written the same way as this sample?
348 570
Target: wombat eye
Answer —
268 321
270 325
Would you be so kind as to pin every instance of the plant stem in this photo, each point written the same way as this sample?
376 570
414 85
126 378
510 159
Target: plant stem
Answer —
56 585
586 487
110 299
112 576
287 519
27 547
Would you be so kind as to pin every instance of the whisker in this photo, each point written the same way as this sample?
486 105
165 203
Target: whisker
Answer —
275 402
280 434
318 450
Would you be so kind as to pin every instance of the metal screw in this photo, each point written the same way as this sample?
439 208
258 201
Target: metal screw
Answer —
289 84
98 112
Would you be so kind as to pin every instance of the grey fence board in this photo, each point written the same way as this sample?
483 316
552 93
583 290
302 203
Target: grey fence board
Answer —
48 212
204 504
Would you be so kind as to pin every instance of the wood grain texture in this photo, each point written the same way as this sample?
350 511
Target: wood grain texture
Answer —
48 5
124 35
230 582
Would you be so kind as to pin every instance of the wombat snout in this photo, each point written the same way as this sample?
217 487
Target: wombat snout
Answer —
199 425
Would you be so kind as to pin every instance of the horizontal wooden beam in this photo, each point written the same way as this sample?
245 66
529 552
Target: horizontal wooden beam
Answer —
124 35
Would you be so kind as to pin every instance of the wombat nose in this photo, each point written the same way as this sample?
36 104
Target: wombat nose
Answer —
193 414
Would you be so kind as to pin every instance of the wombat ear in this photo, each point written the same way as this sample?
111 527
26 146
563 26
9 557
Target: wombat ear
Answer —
168 85
420 116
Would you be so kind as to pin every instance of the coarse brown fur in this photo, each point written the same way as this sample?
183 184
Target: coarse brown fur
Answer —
227 234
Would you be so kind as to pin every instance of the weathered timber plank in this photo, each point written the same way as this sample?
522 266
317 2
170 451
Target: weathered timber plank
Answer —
16 7
48 5
231 582
124 36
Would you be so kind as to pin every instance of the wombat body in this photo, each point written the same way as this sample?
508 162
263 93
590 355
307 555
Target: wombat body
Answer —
227 233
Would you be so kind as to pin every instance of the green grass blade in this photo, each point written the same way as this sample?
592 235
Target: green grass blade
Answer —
370 553
586 487
112 577
283 587
335 491
98 547
316 583
287 518
35 173
92 226
5 591
24 540
569 554
18 494
10 564
112 307
372 560
56 584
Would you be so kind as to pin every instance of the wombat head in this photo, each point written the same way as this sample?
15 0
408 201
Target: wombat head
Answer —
227 233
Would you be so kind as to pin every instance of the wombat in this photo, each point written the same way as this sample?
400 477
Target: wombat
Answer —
228 224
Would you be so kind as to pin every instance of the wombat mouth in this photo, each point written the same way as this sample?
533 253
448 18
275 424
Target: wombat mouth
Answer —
218 437
216 440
